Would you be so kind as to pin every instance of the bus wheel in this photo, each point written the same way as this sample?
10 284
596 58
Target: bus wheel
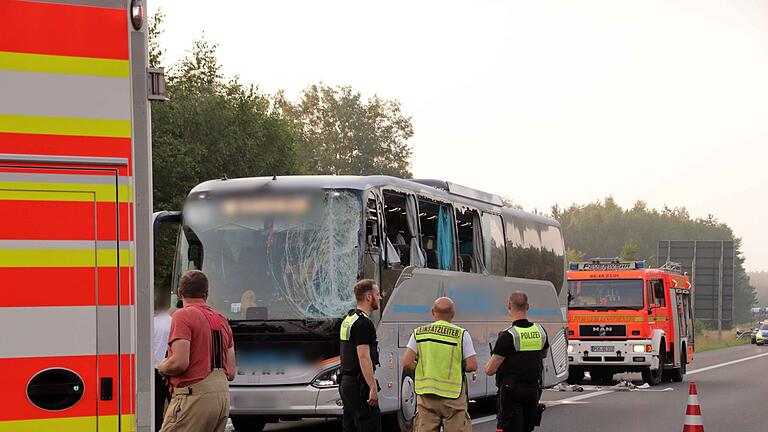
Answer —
653 377
575 376
677 374
407 410
248 423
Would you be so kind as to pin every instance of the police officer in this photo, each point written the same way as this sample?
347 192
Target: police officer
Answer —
445 352
517 358
359 358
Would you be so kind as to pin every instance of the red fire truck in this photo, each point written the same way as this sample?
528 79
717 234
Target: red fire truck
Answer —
624 317
75 216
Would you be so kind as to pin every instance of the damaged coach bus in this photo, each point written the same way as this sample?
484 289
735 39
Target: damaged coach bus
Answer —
282 255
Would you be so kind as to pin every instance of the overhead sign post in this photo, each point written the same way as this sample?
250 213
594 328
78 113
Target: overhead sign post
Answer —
711 265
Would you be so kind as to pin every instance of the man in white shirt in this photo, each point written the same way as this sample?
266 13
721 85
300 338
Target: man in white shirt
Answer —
440 384
162 328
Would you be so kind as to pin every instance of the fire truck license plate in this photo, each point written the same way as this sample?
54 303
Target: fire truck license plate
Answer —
602 349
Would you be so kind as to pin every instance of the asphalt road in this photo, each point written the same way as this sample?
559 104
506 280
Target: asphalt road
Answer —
732 385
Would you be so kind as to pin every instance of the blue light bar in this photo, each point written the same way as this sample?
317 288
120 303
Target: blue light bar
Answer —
639 264
574 266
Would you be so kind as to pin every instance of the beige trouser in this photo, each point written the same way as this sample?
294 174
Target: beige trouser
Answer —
201 407
433 411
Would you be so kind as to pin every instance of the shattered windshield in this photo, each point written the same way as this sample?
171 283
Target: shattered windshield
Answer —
606 294
272 257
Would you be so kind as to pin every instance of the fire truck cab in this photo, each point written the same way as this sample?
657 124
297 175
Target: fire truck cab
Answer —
624 317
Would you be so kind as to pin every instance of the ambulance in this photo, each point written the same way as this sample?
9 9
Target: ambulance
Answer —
624 317
75 216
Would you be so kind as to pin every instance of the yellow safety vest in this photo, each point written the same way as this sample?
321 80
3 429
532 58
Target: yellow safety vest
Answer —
440 352
346 325
530 338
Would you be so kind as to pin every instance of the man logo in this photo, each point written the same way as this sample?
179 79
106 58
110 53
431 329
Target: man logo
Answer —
602 330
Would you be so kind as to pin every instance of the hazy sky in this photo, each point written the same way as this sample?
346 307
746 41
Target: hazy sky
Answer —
546 102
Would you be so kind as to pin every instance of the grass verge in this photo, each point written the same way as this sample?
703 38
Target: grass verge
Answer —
708 340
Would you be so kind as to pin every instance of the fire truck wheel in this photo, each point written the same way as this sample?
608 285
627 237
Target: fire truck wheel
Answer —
248 423
677 374
575 376
653 377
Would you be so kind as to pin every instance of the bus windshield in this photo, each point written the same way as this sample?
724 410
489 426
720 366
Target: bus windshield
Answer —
606 294
269 257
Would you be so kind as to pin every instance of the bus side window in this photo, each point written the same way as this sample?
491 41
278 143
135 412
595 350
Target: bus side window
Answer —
436 222
470 242
493 244
372 231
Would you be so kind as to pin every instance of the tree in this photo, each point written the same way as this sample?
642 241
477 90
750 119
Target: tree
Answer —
629 251
211 127
573 255
340 133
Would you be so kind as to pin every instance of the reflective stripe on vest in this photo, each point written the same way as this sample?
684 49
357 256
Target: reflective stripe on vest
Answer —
440 353
530 338
346 325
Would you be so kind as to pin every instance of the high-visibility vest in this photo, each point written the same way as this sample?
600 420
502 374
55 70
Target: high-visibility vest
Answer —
349 320
440 352
530 338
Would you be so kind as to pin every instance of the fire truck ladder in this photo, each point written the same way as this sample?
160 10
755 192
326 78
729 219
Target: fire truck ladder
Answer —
673 267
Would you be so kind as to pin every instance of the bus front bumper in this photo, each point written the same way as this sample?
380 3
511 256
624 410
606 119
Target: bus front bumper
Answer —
632 353
285 401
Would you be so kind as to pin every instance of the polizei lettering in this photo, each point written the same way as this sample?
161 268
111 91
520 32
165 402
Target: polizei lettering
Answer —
530 335
438 330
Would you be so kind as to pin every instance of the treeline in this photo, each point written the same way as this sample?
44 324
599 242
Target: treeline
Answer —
760 281
213 126
605 229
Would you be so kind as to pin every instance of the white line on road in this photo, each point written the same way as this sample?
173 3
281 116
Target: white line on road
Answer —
704 369
566 401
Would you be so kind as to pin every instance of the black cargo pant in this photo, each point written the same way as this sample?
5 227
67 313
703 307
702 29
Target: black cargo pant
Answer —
518 406
358 415
162 395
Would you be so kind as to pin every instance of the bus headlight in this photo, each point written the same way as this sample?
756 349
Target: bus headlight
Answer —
638 348
327 379
570 348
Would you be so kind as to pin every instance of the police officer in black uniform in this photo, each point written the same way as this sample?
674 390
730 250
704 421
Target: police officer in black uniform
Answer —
359 358
517 363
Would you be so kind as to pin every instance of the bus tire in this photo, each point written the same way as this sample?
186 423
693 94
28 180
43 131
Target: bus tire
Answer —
248 423
653 377
407 409
575 375
678 373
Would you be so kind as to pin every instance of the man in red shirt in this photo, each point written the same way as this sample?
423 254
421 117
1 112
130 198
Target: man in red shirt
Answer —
201 359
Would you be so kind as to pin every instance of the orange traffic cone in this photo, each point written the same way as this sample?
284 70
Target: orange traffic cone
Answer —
693 421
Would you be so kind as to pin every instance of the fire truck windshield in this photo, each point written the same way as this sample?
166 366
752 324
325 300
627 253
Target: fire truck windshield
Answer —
274 257
606 294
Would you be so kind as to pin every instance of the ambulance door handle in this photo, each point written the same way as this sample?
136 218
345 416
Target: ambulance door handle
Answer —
105 392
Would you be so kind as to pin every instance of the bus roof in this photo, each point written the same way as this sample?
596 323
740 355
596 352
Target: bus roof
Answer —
428 188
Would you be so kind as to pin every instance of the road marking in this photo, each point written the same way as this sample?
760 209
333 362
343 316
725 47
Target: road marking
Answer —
704 369
580 397
565 401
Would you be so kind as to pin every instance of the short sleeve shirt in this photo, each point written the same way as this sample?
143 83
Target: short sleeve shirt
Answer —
467 347
518 366
192 325
362 332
